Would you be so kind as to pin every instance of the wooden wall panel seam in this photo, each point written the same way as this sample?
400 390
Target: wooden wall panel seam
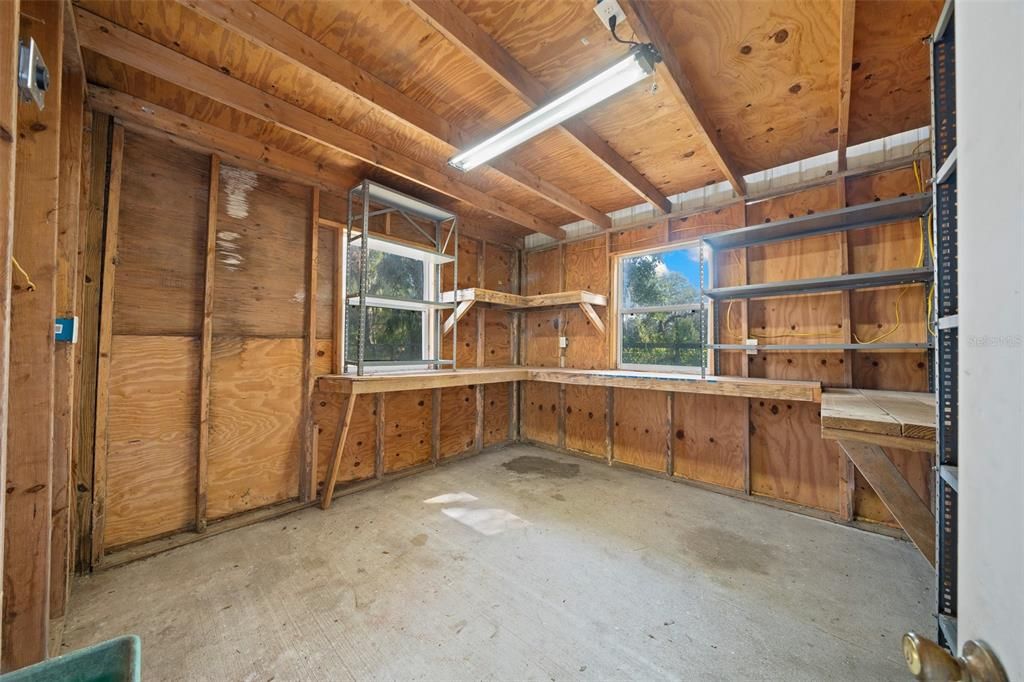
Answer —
206 344
105 338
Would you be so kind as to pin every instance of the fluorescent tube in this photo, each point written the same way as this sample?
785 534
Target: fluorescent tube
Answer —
634 68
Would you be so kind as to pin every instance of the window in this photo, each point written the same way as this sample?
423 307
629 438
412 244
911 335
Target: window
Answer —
398 319
660 311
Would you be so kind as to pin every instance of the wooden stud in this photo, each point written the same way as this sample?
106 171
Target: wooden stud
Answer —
307 471
435 429
460 30
378 460
206 343
847 12
26 577
669 454
9 13
105 340
91 278
339 448
72 109
113 41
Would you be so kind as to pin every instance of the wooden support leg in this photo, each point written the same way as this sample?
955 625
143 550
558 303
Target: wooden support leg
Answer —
339 449
909 510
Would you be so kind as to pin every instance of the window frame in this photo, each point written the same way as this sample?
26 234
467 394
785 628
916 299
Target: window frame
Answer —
429 337
621 310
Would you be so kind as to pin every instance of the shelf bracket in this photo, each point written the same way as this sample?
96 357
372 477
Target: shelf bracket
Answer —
592 315
453 320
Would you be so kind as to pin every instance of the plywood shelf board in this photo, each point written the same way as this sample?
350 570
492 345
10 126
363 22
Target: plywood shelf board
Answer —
516 302
895 414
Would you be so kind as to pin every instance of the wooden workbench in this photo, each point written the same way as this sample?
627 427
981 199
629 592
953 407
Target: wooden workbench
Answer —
743 387
863 422
653 381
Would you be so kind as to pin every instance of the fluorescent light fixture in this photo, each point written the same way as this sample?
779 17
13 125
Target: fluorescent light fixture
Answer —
635 67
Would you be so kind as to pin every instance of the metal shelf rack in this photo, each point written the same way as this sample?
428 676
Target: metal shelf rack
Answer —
369 199
910 207
944 224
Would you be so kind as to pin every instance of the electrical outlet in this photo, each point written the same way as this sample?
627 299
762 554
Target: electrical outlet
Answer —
752 343
563 341
606 9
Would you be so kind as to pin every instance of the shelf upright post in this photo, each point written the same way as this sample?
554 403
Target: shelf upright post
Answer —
364 274
345 236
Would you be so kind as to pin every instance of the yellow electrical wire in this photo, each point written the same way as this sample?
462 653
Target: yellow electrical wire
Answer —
31 285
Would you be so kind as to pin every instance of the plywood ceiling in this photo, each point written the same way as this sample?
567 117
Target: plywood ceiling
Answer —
767 75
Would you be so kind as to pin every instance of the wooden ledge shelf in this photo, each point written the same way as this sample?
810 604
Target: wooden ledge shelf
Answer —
895 419
467 298
770 389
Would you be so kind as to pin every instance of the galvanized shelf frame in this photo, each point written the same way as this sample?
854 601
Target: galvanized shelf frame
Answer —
369 193
945 357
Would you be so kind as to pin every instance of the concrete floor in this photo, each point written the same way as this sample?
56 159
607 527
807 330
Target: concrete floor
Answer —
560 569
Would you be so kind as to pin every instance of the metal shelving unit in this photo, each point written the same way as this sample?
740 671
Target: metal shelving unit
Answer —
944 154
367 200
911 207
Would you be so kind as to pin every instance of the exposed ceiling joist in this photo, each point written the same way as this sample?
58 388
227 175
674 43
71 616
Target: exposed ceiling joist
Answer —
846 23
460 30
150 118
125 46
210 138
643 23
273 33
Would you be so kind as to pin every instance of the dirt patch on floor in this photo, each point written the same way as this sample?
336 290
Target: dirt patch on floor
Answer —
528 464
721 550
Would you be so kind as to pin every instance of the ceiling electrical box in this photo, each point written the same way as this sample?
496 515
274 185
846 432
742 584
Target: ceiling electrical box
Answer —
606 9
33 76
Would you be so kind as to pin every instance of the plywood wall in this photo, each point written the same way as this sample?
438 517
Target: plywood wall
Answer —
263 238
770 449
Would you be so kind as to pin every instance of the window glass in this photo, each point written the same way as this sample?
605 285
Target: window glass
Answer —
670 339
658 279
389 275
659 306
391 334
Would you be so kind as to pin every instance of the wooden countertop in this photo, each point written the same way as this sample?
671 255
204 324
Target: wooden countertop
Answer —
888 418
771 389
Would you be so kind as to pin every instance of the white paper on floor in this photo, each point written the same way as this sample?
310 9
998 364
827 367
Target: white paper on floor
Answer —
448 498
486 521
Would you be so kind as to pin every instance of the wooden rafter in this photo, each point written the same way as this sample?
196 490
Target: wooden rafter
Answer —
120 44
643 23
273 33
846 23
460 30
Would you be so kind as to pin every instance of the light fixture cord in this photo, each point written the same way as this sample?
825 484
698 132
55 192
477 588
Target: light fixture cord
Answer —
612 21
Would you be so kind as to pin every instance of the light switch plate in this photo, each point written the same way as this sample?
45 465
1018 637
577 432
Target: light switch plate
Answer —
563 341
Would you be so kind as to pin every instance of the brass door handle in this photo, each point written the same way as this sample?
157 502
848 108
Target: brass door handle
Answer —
930 662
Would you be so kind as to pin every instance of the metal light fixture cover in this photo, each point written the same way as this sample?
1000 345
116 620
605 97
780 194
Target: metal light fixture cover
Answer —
636 66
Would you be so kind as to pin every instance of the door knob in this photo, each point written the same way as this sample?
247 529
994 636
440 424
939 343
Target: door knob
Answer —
930 662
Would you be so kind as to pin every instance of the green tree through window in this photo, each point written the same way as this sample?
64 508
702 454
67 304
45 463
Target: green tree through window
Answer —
660 309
